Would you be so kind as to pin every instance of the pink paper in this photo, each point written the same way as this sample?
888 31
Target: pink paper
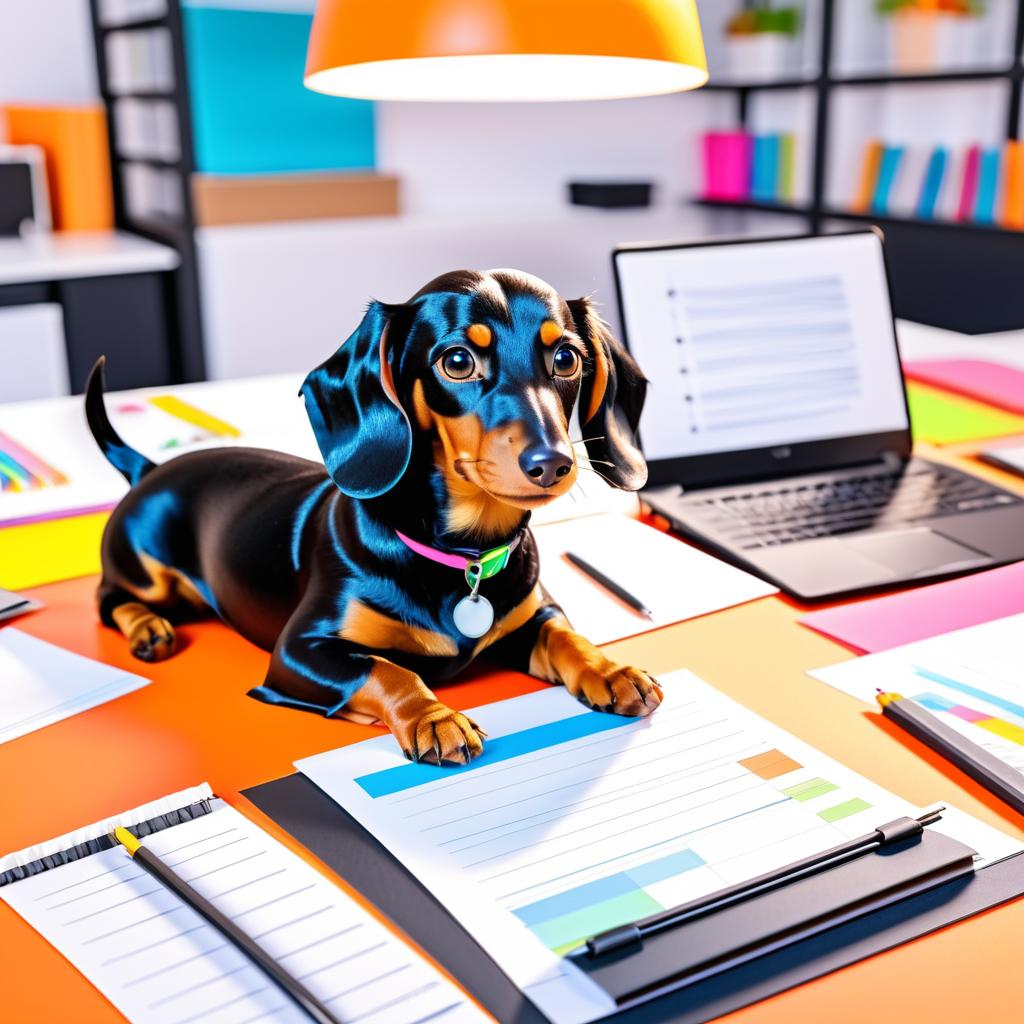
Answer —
883 622
976 378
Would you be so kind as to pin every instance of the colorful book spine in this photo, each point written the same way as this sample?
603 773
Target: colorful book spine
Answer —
969 184
787 168
1013 186
888 166
932 183
988 187
764 183
868 177
727 166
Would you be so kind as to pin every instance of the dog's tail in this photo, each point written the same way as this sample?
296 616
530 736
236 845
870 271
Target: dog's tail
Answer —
132 465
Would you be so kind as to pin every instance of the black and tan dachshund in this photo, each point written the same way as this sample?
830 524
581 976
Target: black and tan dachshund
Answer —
442 422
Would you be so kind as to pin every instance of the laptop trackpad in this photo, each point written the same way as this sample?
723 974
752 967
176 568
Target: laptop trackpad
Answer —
919 550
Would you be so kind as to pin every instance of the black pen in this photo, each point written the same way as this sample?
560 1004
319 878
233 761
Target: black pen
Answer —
609 584
290 986
992 772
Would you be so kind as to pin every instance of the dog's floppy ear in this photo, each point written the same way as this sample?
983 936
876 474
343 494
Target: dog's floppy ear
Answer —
611 400
362 430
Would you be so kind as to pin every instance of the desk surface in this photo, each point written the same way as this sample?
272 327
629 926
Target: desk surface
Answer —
195 723
74 254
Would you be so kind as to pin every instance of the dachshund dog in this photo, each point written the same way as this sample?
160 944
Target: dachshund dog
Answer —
443 422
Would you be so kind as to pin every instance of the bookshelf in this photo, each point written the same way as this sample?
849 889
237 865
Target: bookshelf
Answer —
171 221
956 275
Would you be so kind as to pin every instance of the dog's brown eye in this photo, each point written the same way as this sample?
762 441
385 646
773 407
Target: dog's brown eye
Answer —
566 361
458 364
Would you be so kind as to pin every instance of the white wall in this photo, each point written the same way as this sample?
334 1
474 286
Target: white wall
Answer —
46 52
503 156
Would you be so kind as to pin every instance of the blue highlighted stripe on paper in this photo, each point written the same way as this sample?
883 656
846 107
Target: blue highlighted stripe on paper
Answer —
971 691
591 893
408 776
933 702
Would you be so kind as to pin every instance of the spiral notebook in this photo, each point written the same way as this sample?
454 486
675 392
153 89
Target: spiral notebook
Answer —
159 962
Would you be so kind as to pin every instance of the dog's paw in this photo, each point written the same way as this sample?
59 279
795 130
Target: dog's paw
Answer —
442 736
152 638
619 690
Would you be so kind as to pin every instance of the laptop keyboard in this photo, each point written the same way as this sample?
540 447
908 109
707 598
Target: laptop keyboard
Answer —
766 516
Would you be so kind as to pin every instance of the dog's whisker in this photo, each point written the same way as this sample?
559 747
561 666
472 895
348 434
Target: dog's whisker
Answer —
590 469
602 462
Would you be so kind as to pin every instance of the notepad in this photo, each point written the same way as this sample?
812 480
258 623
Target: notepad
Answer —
159 962
674 580
41 683
572 822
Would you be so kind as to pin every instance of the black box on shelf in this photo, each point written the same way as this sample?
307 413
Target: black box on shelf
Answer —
610 194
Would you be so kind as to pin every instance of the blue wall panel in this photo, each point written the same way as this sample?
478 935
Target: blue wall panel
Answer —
251 113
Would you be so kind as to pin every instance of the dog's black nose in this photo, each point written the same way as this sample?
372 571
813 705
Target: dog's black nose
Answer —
545 466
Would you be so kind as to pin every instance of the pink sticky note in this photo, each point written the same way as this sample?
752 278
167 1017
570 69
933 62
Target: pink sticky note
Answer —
977 378
879 623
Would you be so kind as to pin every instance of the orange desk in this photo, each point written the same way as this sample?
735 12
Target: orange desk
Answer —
194 723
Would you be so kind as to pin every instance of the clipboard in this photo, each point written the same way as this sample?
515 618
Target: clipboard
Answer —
325 829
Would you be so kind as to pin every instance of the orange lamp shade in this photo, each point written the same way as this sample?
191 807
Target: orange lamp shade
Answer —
504 49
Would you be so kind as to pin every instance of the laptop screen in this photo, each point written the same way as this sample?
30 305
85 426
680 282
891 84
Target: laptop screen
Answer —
761 344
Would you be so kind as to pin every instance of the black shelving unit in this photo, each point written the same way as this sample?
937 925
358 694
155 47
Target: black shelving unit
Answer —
961 276
185 358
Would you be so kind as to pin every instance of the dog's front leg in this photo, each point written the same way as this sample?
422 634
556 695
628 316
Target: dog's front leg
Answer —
549 648
337 678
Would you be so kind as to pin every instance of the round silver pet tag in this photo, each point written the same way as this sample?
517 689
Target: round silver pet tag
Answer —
473 615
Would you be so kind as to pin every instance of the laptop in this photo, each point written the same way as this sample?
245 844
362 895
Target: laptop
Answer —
776 428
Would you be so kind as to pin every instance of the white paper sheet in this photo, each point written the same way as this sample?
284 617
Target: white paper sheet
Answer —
265 410
674 580
159 962
572 822
41 683
973 679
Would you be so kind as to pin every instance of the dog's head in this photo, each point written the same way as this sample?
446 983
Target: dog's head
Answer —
487 367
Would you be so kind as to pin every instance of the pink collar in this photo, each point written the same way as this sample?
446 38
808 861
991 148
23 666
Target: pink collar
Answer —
441 557
483 563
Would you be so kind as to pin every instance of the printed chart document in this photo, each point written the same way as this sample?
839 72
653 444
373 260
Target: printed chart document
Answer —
572 822
674 580
50 466
41 683
973 679
159 962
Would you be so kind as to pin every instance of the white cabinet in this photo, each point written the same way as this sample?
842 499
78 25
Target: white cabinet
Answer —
33 358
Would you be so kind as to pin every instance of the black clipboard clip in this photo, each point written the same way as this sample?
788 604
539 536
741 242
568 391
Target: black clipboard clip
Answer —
707 936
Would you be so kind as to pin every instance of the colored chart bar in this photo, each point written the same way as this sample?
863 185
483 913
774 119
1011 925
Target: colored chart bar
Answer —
183 410
22 470
567 932
844 810
971 691
408 776
810 789
998 726
602 890
770 764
